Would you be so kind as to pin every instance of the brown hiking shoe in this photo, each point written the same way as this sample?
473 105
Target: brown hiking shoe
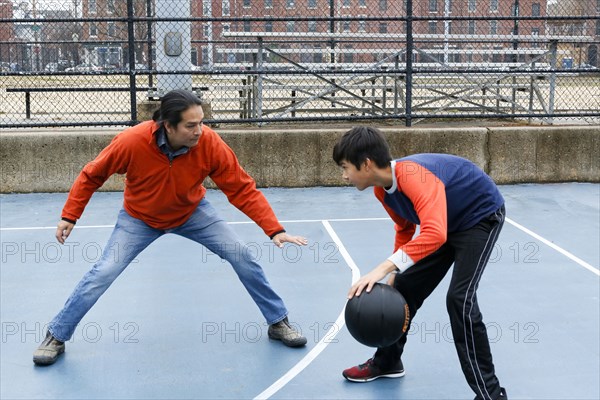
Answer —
47 353
283 331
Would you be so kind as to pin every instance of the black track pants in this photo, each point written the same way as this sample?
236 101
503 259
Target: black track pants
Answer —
469 251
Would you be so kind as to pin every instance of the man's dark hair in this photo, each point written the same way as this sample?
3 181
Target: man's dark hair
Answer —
360 143
173 104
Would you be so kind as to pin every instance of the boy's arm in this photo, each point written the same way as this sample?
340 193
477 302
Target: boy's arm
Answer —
428 195
405 230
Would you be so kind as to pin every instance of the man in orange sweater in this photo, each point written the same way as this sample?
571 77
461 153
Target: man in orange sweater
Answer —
165 162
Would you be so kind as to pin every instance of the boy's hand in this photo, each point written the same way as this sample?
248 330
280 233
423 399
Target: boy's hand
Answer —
283 237
369 280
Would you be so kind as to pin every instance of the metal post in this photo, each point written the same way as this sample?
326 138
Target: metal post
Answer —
396 84
149 41
515 56
531 83
332 29
27 105
409 55
131 44
553 50
259 81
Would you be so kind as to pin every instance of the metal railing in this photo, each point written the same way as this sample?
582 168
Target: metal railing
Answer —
334 60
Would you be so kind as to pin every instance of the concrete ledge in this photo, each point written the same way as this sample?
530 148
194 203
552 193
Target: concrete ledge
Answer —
49 161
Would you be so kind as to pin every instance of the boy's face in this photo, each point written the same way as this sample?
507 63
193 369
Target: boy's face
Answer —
360 178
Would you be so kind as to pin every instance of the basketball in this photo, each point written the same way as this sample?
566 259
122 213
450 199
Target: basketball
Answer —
377 318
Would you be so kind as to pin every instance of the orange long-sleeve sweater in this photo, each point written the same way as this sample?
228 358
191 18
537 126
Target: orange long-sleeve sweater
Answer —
164 194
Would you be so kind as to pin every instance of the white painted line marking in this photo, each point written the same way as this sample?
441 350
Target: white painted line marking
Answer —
33 228
564 252
339 324
555 247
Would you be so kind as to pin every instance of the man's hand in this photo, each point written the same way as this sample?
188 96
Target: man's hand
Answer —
283 237
63 231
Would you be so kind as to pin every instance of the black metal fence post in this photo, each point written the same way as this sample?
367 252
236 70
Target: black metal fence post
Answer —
149 41
409 56
132 72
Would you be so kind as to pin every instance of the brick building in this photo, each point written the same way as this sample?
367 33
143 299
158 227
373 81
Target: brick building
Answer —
7 35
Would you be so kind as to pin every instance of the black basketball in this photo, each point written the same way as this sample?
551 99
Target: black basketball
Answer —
378 318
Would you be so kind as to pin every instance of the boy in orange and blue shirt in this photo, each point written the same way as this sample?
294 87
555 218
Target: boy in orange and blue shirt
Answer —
460 213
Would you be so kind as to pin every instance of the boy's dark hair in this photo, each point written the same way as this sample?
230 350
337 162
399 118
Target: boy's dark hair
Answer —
173 104
360 143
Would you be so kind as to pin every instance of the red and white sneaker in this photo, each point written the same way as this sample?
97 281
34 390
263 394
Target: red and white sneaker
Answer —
369 371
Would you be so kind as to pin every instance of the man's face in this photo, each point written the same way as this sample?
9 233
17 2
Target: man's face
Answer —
187 132
357 177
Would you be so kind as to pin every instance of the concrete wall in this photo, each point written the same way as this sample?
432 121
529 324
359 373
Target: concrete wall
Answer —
49 161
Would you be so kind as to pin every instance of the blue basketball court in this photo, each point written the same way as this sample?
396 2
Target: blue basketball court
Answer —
177 324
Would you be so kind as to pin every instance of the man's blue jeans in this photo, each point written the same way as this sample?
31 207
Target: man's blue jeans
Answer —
132 235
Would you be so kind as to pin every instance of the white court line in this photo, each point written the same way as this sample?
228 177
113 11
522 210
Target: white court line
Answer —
33 228
555 247
510 221
339 324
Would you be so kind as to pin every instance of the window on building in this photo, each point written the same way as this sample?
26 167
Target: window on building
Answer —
246 3
114 55
535 10
268 3
472 5
290 4
226 28
383 5
362 3
112 29
226 8
535 32
432 27
597 28
290 26
345 3
318 56
312 3
247 26
494 5
471 27
268 26
312 26
206 30
93 29
362 25
346 26
432 5
206 7
348 57
383 27
205 55
92 6
493 27
110 6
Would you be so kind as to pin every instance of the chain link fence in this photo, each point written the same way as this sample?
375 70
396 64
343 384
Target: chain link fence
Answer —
100 62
